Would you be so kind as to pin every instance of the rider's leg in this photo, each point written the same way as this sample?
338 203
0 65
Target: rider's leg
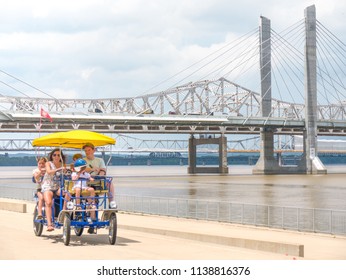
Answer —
111 187
40 203
67 197
92 203
77 193
48 199
111 194
91 200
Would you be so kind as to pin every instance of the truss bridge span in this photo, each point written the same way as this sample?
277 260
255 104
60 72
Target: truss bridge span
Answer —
214 107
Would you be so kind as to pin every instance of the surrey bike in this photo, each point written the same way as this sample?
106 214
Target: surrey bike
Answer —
78 216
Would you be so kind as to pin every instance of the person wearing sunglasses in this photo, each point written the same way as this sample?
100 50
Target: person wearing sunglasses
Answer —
50 185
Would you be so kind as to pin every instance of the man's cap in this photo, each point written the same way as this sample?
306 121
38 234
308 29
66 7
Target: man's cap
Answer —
91 145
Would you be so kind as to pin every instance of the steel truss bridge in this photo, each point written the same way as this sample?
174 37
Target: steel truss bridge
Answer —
127 144
130 144
204 107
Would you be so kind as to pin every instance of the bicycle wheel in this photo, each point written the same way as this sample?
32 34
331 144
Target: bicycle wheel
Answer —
66 233
37 225
112 235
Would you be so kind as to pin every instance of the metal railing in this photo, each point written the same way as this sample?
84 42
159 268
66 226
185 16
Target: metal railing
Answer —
326 221
301 219
22 193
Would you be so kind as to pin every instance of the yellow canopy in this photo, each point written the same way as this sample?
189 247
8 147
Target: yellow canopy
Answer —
73 139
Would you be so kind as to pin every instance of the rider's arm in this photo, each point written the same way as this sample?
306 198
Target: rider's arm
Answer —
102 172
88 177
93 170
101 168
75 176
49 170
89 168
37 175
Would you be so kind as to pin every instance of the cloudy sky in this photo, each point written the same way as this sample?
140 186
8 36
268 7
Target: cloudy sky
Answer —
122 48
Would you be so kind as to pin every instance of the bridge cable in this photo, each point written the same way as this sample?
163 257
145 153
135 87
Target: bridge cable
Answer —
241 55
241 39
244 58
283 60
276 62
275 79
331 53
208 63
326 79
285 57
26 84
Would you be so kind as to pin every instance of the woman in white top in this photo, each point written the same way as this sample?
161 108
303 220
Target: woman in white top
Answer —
51 187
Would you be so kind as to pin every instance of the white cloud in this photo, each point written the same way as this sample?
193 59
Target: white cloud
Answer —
86 73
120 48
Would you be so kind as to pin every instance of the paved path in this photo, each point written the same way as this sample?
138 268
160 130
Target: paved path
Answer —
160 238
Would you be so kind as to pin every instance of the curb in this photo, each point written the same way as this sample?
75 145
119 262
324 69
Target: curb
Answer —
252 244
13 206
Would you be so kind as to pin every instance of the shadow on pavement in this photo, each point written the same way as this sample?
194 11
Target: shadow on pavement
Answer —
89 240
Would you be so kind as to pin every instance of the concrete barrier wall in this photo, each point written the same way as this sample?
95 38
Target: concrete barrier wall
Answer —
13 206
268 246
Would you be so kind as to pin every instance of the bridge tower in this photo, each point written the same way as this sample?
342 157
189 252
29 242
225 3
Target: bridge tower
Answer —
312 161
266 164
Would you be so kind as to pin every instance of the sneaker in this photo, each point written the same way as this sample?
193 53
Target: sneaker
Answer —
91 230
112 205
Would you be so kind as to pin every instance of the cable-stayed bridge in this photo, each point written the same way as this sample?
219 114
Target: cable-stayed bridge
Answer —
300 92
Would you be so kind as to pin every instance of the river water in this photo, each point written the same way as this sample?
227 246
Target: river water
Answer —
239 186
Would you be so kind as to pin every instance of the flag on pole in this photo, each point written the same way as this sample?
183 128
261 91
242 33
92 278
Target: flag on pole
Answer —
44 114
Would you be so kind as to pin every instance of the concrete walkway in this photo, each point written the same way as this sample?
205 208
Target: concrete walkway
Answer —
144 237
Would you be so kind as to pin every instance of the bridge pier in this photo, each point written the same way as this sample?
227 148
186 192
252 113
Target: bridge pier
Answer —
267 163
194 142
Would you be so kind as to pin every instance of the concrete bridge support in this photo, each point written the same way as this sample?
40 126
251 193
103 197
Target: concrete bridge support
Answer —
194 142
